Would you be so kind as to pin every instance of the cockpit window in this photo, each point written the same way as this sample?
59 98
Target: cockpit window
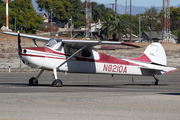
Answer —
54 43
71 50
86 53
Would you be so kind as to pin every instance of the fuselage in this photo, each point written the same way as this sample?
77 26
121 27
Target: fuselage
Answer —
87 61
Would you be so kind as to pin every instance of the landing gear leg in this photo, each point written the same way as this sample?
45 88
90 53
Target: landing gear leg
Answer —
57 82
156 80
34 81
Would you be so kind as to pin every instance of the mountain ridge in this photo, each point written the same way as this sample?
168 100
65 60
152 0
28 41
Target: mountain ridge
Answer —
135 9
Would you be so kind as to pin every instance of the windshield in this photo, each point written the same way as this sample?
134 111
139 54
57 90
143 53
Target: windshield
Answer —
51 43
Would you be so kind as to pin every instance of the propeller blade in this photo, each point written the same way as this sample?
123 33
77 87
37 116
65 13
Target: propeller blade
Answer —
19 44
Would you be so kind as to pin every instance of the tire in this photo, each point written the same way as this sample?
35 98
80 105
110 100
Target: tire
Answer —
57 83
33 81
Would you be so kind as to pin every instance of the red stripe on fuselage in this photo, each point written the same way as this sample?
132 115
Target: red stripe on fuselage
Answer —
44 49
142 58
112 60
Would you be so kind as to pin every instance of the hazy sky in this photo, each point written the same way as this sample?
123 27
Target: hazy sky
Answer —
146 3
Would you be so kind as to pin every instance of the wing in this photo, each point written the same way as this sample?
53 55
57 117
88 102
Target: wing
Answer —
99 44
78 43
38 38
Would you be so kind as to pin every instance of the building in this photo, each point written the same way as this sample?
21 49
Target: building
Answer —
45 17
156 37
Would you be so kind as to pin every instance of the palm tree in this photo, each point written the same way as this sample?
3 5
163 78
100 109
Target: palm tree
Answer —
114 25
152 20
122 27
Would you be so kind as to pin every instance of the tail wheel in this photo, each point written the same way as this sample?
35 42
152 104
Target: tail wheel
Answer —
33 81
57 83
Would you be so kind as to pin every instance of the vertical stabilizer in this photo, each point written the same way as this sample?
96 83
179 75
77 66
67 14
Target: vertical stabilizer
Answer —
154 53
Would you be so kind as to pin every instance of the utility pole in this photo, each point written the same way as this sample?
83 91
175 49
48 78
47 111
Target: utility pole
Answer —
115 6
88 18
139 28
15 23
130 21
126 7
71 26
112 6
51 20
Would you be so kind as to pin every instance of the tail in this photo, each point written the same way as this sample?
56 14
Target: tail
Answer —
154 54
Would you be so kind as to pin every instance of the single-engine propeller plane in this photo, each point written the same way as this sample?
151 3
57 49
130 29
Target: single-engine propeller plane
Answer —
78 56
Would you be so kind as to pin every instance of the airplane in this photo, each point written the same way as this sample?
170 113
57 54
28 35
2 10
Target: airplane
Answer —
79 56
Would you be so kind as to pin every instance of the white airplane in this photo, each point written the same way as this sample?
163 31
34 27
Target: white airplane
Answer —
78 56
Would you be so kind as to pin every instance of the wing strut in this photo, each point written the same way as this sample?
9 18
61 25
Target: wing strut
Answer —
35 43
72 56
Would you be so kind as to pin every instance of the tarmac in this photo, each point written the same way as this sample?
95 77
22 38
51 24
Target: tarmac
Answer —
89 96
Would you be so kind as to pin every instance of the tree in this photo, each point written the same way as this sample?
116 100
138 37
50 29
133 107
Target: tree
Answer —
63 9
152 20
77 12
2 13
99 11
114 25
26 18
60 8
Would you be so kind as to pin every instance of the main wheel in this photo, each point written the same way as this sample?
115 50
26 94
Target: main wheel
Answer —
156 83
33 81
57 83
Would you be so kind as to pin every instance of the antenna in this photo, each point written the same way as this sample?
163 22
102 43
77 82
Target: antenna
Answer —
7 21
166 28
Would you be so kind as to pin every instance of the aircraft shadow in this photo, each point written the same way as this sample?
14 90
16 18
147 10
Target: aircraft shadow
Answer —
100 86
95 86
49 85
145 85
170 93
21 84
13 84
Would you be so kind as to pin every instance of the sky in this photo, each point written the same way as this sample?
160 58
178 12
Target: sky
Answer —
146 3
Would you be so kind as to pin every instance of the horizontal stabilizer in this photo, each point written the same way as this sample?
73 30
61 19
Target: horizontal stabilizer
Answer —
162 69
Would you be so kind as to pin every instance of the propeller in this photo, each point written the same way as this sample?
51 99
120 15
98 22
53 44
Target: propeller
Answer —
19 44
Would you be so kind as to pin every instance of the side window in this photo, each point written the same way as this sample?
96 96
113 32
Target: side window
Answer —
86 53
71 50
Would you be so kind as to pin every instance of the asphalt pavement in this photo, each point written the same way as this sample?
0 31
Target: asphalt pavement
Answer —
89 96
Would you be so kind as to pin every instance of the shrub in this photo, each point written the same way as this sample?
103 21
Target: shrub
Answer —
42 28
52 28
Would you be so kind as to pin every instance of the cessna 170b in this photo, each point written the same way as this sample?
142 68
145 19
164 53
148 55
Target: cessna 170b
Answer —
78 56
